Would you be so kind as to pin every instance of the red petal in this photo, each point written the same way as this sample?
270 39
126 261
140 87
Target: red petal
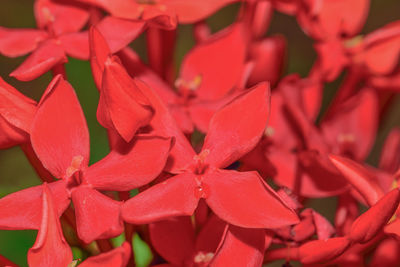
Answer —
68 139
99 52
323 227
119 32
323 250
136 68
10 135
310 135
210 235
370 223
58 16
202 112
359 178
163 124
257 160
237 127
353 127
15 108
306 93
45 57
244 199
241 247
390 158
177 196
173 239
213 81
143 162
347 211
382 49
182 118
192 11
119 8
76 44
390 82
122 105
287 7
331 18
292 175
393 228
22 210
97 216
387 253
50 248
117 257
319 177
332 58
18 42
305 229
280 128
269 56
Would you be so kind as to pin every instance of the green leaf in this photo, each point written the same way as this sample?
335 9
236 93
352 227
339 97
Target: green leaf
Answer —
118 240
15 245
142 252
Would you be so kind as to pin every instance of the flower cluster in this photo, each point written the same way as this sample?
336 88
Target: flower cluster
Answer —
238 196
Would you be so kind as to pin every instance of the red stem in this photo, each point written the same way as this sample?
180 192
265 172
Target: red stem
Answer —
69 217
104 245
160 51
59 69
385 101
129 228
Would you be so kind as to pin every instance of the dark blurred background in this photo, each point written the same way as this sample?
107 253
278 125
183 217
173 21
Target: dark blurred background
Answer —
15 171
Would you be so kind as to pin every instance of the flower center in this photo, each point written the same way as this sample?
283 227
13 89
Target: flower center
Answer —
187 88
73 174
199 166
346 138
202 258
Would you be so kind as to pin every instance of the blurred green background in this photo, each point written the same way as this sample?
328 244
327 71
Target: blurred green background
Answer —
15 171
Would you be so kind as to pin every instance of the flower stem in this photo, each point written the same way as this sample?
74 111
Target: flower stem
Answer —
59 69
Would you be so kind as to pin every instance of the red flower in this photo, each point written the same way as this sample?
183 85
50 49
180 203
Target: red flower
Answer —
160 12
16 115
176 241
59 36
68 143
228 138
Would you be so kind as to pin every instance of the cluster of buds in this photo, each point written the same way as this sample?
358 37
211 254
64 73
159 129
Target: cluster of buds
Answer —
213 166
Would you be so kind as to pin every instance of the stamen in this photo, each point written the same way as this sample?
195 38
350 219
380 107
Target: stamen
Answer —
202 257
75 166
